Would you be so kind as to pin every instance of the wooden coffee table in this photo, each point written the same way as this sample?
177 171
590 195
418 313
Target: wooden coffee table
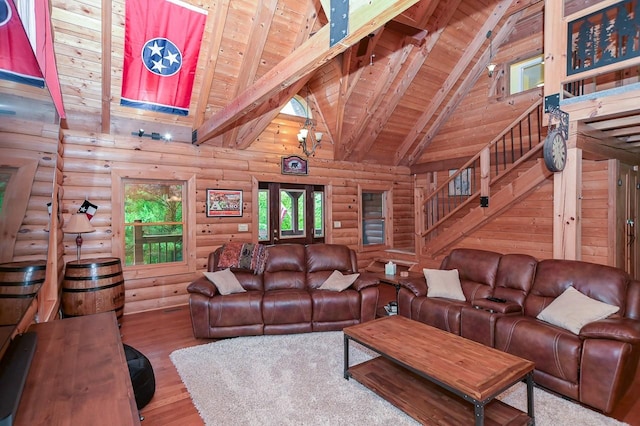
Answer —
433 375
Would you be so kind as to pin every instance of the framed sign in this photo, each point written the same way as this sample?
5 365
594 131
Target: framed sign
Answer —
294 165
224 202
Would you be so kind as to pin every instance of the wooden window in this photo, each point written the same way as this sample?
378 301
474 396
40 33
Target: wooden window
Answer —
375 223
154 222
527 74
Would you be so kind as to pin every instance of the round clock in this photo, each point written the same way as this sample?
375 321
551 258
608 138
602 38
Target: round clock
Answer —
555 151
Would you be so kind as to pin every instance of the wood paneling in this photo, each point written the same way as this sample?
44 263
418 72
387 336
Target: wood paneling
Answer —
90 159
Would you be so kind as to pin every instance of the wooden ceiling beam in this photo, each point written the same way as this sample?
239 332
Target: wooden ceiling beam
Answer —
257 39
354 140
244 136
435 104
416 60
599 143
106 66
311 55
217 24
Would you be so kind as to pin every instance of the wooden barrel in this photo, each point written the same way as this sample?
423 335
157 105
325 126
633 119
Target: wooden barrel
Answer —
19 283
91 286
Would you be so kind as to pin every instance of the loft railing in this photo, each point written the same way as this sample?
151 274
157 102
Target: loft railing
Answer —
519 142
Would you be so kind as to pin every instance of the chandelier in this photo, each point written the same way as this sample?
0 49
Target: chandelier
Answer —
308 138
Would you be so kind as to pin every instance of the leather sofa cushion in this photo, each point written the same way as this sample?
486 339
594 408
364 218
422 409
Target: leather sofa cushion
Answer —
515 277
286 307
473 265
236 309
285 267
554 276
440 313
329 306
554 350
329 257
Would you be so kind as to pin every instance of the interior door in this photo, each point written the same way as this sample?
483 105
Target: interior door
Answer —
628 187
295 213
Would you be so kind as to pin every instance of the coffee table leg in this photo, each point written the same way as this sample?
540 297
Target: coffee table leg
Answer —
346 356
530 411
479 412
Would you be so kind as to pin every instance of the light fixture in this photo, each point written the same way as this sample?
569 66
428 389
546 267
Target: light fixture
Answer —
491 66
78 224
154 135
308 138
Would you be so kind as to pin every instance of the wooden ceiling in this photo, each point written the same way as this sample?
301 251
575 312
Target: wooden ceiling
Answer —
380 96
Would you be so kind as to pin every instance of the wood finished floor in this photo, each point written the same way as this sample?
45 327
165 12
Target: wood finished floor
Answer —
158 333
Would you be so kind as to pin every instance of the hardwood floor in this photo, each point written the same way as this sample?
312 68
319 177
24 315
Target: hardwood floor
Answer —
158 333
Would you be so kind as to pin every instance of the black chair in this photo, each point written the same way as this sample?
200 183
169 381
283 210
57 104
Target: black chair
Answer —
142 377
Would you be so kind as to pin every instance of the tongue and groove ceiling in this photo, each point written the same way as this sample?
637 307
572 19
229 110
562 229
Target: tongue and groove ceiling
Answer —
380 96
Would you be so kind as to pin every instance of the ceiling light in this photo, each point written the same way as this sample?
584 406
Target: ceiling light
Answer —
308 138
490 66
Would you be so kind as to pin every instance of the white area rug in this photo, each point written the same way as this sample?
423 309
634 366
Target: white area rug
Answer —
298 380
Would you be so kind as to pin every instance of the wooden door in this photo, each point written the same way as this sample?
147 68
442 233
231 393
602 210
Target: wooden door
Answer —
627 219
293 212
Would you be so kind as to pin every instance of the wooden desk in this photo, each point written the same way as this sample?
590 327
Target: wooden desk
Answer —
79 375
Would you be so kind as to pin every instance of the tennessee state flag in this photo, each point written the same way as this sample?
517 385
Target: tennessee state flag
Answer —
17 60
161 47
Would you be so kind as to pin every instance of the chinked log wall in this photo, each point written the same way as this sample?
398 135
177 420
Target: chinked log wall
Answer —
89 159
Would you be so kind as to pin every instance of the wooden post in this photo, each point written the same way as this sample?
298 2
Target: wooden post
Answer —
485 171
567 195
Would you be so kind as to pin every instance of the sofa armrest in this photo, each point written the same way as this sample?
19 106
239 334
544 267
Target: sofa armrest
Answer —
503 308
203 286
622 329
365 280
417 285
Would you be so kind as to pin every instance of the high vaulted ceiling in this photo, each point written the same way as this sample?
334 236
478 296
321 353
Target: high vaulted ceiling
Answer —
380 96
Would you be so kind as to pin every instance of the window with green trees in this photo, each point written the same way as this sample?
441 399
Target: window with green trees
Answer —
154 222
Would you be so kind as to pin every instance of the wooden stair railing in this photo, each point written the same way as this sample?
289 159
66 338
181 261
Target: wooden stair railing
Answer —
501 200
519 143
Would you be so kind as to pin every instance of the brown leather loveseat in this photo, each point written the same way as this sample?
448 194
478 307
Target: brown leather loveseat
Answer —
594 364
284 296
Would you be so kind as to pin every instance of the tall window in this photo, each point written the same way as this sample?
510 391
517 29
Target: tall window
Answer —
373 205
154 221
527 74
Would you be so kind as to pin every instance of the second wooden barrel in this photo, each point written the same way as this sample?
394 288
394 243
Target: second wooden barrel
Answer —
19 284
91 286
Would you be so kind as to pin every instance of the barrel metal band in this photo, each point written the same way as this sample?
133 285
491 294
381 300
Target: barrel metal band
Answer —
87 290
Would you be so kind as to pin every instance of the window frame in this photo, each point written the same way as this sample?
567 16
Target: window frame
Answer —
524 60
387 199
188 263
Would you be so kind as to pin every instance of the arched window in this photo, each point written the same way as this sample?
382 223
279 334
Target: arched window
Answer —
297 106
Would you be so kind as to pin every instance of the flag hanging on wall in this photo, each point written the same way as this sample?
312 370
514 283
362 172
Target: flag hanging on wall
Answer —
17 60
25 30
161 47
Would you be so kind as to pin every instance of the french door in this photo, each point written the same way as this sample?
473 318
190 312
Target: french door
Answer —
290 213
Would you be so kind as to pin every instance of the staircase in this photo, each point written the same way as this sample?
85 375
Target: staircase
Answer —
508 169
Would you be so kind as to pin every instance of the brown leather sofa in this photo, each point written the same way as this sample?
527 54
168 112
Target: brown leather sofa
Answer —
595 366
285 297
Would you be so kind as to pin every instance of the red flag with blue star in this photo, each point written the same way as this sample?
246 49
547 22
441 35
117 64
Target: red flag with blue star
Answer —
161 48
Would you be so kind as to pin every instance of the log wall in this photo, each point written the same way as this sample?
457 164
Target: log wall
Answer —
90 158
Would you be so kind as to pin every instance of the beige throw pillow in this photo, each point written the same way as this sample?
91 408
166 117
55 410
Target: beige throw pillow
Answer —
443 283
338 282
225 281
572 310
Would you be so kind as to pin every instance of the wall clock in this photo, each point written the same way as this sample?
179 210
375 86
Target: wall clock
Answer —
555 151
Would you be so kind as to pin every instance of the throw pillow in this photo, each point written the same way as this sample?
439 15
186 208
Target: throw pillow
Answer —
225 281
443 283
572 310
338 282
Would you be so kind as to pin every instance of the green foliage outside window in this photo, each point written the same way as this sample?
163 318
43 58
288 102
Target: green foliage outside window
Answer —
153 223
